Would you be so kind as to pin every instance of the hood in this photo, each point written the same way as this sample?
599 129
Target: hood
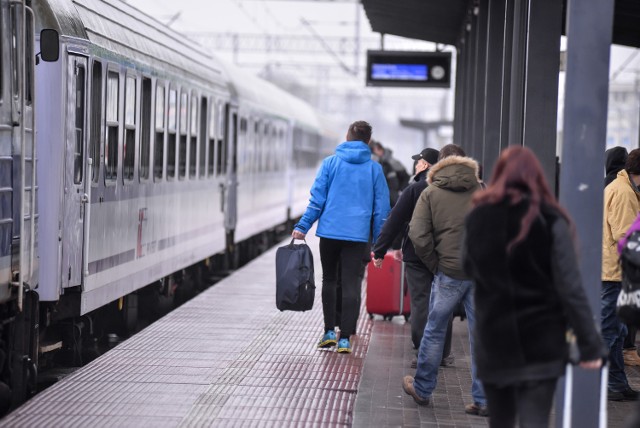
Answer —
615 159
421 175
354 152
456 173
386 156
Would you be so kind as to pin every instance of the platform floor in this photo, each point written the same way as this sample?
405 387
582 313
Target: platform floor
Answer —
230 358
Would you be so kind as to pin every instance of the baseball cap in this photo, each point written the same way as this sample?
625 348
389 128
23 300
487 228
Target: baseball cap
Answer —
430 155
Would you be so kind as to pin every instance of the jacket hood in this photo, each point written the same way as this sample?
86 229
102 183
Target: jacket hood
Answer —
354 152
615 159
421 175
456 173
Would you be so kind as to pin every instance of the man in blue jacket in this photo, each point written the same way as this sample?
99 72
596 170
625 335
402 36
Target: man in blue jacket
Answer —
349 196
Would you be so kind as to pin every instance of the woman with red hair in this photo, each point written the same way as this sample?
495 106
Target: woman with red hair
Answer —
519 250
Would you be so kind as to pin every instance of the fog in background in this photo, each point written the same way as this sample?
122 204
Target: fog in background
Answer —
317 51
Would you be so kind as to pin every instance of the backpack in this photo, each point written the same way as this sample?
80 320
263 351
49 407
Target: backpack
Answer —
628 305
295 281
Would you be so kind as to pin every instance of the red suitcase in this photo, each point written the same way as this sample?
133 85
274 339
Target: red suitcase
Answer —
387 292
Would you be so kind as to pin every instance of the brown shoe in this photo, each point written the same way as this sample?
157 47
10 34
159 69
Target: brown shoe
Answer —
631 357
474 409
407 386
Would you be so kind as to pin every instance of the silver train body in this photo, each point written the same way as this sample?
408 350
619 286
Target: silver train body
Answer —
152 157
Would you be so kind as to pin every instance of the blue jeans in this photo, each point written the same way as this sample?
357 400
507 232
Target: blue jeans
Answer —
446 292
613 333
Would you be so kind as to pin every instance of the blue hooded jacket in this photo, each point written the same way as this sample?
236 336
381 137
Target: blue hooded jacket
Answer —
348 193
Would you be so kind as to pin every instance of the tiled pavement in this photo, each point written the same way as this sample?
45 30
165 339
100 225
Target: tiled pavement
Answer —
229 358
381 402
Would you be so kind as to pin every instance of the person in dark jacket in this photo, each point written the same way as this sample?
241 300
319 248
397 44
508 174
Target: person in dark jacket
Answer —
519 250
394 172
350 201
419 278
436 229
615 158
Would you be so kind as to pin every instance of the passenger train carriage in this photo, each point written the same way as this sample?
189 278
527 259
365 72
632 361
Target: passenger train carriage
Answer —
152 157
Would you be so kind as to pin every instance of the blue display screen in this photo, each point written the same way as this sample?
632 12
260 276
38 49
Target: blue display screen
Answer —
399 71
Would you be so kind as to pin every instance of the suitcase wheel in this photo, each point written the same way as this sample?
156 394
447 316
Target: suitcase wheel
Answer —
406 318
370 316
388 317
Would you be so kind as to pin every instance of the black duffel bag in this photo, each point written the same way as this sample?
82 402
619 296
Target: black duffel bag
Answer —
295 282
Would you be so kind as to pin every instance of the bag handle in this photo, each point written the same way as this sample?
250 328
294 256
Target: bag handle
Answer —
293 239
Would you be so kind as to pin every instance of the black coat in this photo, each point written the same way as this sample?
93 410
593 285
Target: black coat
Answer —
615 158
398 220
526 300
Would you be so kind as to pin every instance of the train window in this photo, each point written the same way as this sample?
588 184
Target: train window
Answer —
79 125
182 153
242 143
158 148
145 129
193 137
96 119
129 128
15 37
266 144
28 52
203 137
221 152
283 150
213 130
111 148
273 151
171 137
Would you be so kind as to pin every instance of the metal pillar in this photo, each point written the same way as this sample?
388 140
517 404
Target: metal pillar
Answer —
481 11
589 28
493 140
541 85
518 59
459 97
469 74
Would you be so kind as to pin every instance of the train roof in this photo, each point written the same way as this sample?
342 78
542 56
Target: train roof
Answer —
120 28
266 96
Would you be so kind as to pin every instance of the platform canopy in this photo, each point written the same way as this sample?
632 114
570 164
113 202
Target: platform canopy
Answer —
441 21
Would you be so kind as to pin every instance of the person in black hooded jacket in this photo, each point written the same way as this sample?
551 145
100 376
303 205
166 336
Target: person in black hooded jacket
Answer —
615 158
418 276
519 249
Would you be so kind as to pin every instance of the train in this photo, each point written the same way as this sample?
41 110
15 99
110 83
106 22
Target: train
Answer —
132 163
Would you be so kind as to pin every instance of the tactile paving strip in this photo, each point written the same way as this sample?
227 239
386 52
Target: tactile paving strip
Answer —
226 358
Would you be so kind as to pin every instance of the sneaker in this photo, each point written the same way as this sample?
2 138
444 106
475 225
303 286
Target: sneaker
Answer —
329 339
448 360
626 395
476 409
407 386
344 347
631 357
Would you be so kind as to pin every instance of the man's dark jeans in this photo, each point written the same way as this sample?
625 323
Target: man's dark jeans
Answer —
613 333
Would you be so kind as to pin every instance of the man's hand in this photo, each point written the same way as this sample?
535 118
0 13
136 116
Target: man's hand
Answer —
592 364
377 262
296 234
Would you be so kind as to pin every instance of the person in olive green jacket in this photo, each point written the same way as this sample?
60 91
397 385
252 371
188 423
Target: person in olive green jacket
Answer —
436 231
621 207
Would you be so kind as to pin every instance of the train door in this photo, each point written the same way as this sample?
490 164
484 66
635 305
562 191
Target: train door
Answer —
75 180
231 187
